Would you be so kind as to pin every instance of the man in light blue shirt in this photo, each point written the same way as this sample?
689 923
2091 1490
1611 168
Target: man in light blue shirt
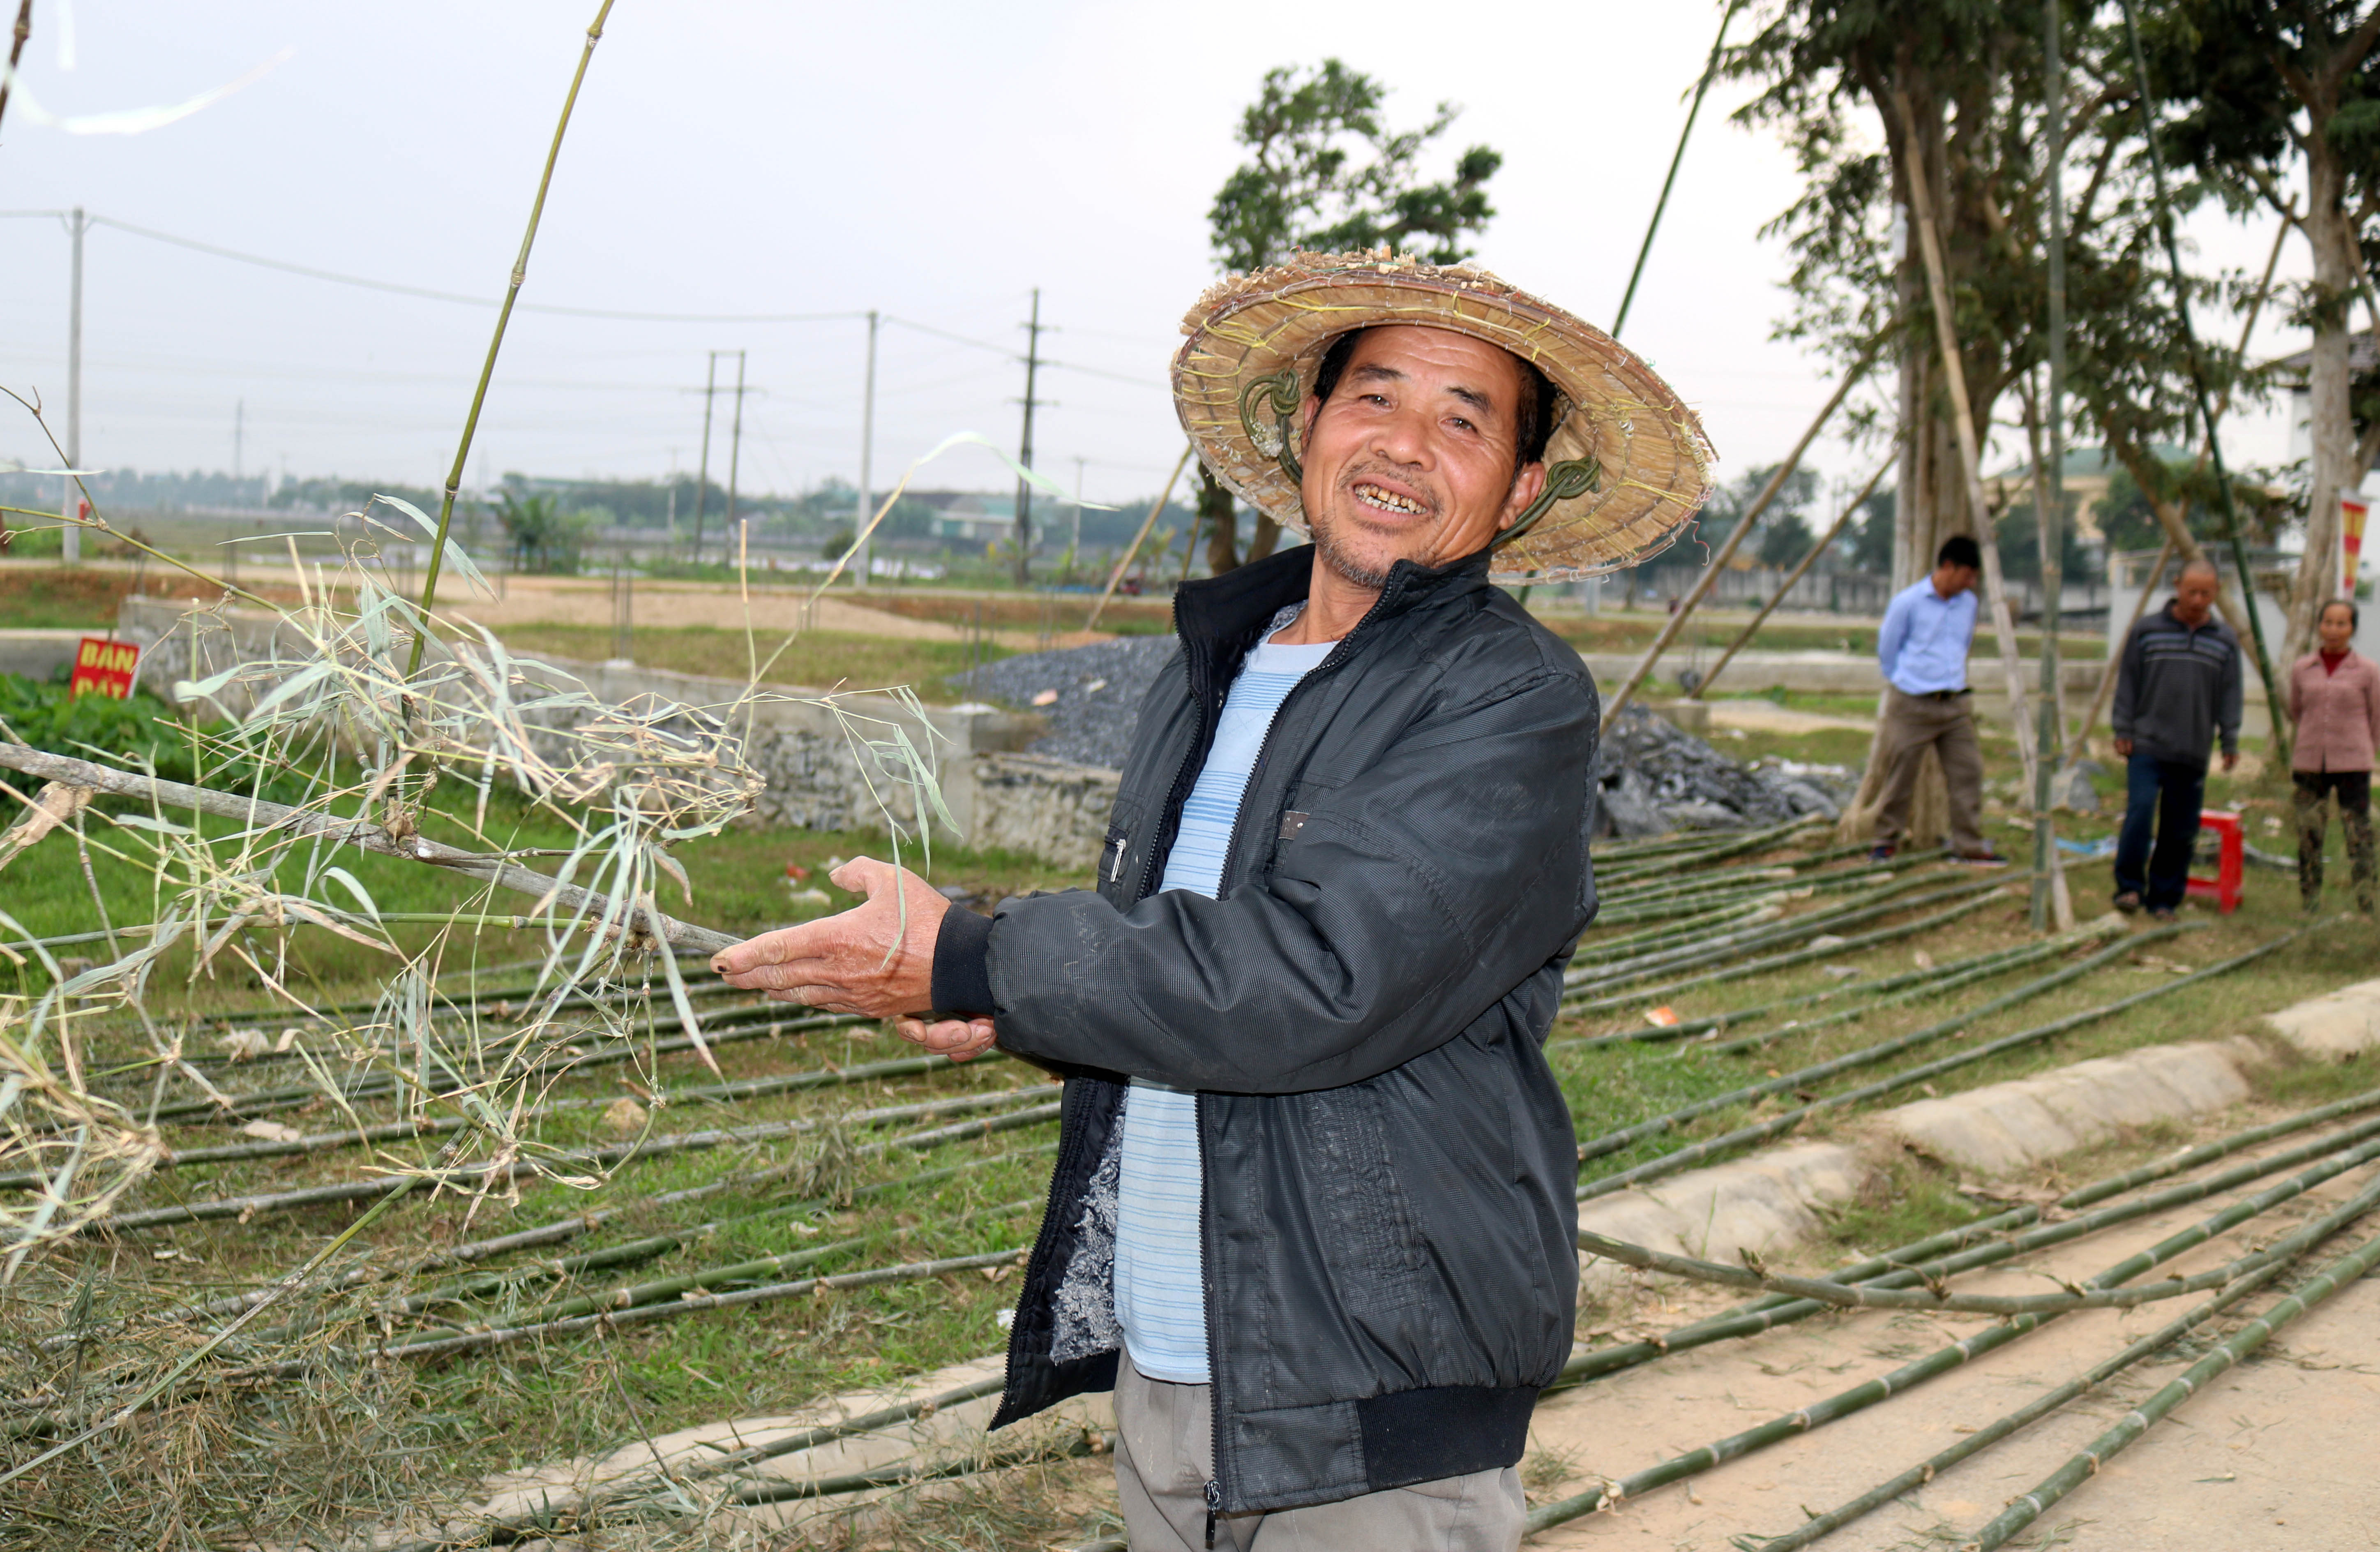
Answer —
1923 650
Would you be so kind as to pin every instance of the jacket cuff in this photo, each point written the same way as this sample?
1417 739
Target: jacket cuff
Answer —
962 964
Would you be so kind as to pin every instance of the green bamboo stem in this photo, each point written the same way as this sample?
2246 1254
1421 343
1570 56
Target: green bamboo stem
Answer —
581 1508
1915 1263
495 344
1786 1121
1944 980
1655 903
2024 1416
1850 990
1802 1078
1908 1376
471 1176
1688 850
1591 979
2031 1505
1875 1296
785 1491
1692 927
1971 900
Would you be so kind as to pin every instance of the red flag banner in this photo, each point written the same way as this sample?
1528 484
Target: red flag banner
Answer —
103 667
2352 512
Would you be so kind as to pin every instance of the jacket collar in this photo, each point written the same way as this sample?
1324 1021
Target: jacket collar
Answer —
1218 617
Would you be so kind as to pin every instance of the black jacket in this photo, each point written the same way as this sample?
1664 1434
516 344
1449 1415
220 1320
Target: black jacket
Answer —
1389 1165
2179 688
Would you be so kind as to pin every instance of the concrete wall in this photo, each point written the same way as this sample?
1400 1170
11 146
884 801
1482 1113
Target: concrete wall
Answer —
817 777
37 655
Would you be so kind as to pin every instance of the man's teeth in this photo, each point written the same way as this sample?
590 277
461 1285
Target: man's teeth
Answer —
1375 496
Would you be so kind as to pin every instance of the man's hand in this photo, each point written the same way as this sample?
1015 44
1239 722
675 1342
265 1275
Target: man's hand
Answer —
2124 749
876 959
2231 758
959 1039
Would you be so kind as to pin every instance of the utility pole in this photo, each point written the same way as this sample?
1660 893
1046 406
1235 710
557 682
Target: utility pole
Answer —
735 441
2049 505
702 474
1025 449
71 540
238 435
867 454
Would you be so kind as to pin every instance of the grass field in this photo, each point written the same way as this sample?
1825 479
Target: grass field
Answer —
819 659
256 1462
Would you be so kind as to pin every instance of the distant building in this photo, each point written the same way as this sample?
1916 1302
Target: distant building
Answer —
968 517
2088 473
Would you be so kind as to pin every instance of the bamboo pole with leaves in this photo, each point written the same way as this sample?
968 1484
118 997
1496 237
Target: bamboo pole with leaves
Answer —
1788 1120
2029 1507
496 344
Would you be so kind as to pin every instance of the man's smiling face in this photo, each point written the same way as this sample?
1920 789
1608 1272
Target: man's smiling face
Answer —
1412 457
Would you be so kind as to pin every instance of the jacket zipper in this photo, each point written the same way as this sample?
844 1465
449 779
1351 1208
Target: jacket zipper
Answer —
1207 1280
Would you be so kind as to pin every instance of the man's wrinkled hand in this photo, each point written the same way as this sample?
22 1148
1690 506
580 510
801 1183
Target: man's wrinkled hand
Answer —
2123 749
959 1039
2230 759
876 959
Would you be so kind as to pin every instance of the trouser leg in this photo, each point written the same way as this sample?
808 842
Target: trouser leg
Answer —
2354 797
1963 773
1164 1458
2307 796
2140 825
1902 750
2182 797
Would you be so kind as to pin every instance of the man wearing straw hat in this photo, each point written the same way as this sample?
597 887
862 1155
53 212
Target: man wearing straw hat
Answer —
1313 1213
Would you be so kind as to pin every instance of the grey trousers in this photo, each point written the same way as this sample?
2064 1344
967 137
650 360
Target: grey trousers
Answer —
1165 1456
1909 723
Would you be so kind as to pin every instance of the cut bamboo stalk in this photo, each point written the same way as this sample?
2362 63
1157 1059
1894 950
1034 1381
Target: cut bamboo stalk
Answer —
1908 1376
1909 1264
2024 1416
2031 1505
474 1175
1970 898
1875 1296
1788 1120
1726 552
1802 1078
1885 901
1140 539
1962 423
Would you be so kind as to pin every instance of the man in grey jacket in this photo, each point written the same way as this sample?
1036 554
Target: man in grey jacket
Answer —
2178 690
1313 1212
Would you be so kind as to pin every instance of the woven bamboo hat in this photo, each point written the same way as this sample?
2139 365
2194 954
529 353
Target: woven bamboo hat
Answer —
1627 464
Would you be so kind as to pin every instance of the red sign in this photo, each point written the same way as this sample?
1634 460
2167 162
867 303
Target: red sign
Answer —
103 667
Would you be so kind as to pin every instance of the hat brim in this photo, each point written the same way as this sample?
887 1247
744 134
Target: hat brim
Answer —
1655 458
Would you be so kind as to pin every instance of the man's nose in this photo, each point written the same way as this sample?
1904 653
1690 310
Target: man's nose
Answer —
1404 437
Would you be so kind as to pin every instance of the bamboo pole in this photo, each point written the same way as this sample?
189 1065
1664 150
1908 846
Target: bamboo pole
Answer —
1902 1267
1970 901
2006 959
361 834
1629 1136
1713 851
1908 1376
1726 552
474 1175
2024 1416
2030 1507
496 343
1963 415
1138 539
1801 569
1788 1120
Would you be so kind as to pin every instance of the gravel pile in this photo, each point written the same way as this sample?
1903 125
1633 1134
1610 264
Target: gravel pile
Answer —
1098 690
1654 777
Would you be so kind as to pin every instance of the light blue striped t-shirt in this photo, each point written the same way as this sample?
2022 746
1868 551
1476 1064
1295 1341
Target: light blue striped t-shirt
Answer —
1160 1297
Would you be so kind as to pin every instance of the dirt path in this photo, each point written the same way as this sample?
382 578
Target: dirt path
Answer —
779 610
2280 1455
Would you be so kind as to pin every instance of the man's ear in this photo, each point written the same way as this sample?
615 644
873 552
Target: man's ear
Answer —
1526 487
1306 422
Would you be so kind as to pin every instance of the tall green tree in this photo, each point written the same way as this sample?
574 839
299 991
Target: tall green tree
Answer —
2279 106
1325 171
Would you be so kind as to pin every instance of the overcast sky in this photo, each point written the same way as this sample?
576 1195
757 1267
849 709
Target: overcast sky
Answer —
935 161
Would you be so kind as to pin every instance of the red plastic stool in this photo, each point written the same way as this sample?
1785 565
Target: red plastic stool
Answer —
2232 863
